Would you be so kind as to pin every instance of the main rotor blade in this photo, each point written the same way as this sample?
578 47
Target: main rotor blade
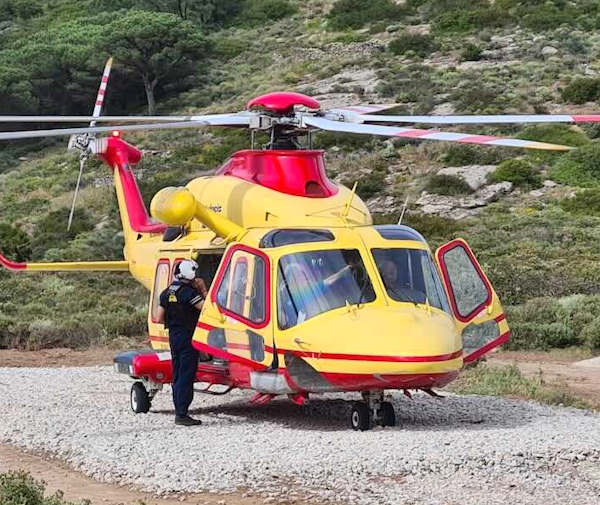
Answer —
496 119
81 165
231 120
413 133
108 119
101 92
364 109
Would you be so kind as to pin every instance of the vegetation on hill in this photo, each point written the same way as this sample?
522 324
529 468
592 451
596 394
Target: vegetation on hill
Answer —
20 488
184 56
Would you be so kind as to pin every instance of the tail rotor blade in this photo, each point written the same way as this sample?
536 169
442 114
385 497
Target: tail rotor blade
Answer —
81 165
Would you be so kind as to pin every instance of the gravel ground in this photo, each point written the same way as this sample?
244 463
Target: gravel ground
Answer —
459 450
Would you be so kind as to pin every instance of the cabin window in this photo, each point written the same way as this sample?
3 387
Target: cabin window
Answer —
469 289
161 282
278 238
242 291
311 283
409 275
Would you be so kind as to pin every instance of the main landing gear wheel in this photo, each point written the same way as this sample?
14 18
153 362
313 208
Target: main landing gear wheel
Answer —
140 399
360 417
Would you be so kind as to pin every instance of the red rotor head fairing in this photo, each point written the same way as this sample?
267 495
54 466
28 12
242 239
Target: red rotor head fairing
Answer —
282 103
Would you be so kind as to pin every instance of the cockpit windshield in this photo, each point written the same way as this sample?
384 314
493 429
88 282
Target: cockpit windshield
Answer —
409 275
313 282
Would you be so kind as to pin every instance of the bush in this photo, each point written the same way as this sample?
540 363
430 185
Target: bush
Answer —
20 488
591 334
257 12
14 243
422 45
520 172
555 134
582 90
471 52
584 202
460 155
356 13
448 185
51 231
580 167
466 19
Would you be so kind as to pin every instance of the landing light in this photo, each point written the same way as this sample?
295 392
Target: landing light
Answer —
116 133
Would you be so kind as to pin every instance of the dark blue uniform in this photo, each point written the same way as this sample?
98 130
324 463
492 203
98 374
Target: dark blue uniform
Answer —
181 317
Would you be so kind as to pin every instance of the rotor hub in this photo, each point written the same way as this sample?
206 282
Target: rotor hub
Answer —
282 103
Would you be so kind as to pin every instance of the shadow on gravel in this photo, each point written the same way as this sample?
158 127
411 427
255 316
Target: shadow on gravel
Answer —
420 414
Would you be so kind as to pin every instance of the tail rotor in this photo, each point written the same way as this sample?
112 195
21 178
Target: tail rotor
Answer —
85 143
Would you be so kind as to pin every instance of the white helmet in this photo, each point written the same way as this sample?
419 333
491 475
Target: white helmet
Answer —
186 270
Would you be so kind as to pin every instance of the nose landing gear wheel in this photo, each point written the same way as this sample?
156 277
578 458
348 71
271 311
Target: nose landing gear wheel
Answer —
140 399
388 416
360 417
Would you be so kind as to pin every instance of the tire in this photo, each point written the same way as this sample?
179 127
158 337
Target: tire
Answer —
140 400
360 417
388 416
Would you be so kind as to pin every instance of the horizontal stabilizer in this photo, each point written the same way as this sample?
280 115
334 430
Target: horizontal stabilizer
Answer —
75 266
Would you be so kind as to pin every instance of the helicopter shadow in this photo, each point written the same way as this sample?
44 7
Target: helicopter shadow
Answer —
422 413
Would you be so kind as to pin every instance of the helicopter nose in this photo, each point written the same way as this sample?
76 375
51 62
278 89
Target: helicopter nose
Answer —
391 348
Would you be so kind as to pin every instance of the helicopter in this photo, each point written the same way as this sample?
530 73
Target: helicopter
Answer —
305 294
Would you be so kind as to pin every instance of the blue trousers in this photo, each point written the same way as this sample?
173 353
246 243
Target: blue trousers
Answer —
185 363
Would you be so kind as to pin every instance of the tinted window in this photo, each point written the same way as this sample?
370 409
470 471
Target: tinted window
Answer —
277 238
470 291
398 232
242 290
310 283
161 281
409 275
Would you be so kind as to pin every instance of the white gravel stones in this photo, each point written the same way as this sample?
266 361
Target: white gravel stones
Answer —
462 449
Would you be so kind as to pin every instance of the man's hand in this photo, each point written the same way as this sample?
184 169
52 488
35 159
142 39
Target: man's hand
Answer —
200 285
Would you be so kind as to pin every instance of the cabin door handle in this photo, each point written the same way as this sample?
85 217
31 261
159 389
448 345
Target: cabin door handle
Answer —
301 343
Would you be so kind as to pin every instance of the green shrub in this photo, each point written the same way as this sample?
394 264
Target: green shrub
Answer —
582 90
467 19
459 155
585 202
257 12
591 334
449 185
226 48
420 44
520 172
580 167
51 230
555 134
14 243
20 488
471 52
356 13
477 97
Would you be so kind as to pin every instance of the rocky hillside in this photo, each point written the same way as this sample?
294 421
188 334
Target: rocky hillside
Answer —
532 218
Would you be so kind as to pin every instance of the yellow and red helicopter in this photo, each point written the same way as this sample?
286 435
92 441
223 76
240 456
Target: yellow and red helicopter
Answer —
306 295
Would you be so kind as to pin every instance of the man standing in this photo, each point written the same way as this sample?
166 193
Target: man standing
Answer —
180 306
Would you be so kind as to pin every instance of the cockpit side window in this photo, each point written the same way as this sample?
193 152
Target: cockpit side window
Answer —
314 282
409 275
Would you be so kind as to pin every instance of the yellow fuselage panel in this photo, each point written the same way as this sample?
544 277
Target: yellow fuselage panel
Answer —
253 206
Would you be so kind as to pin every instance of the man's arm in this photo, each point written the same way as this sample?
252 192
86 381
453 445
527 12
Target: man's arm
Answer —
160 315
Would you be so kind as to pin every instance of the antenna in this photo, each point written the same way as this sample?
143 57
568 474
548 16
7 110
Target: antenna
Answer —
403 209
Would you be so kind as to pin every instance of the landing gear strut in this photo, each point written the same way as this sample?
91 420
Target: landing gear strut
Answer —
372 410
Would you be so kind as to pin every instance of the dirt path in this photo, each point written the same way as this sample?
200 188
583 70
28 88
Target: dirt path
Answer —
559 369
56 357
77 486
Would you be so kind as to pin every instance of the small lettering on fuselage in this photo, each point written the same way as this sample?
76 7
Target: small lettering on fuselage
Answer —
216 208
